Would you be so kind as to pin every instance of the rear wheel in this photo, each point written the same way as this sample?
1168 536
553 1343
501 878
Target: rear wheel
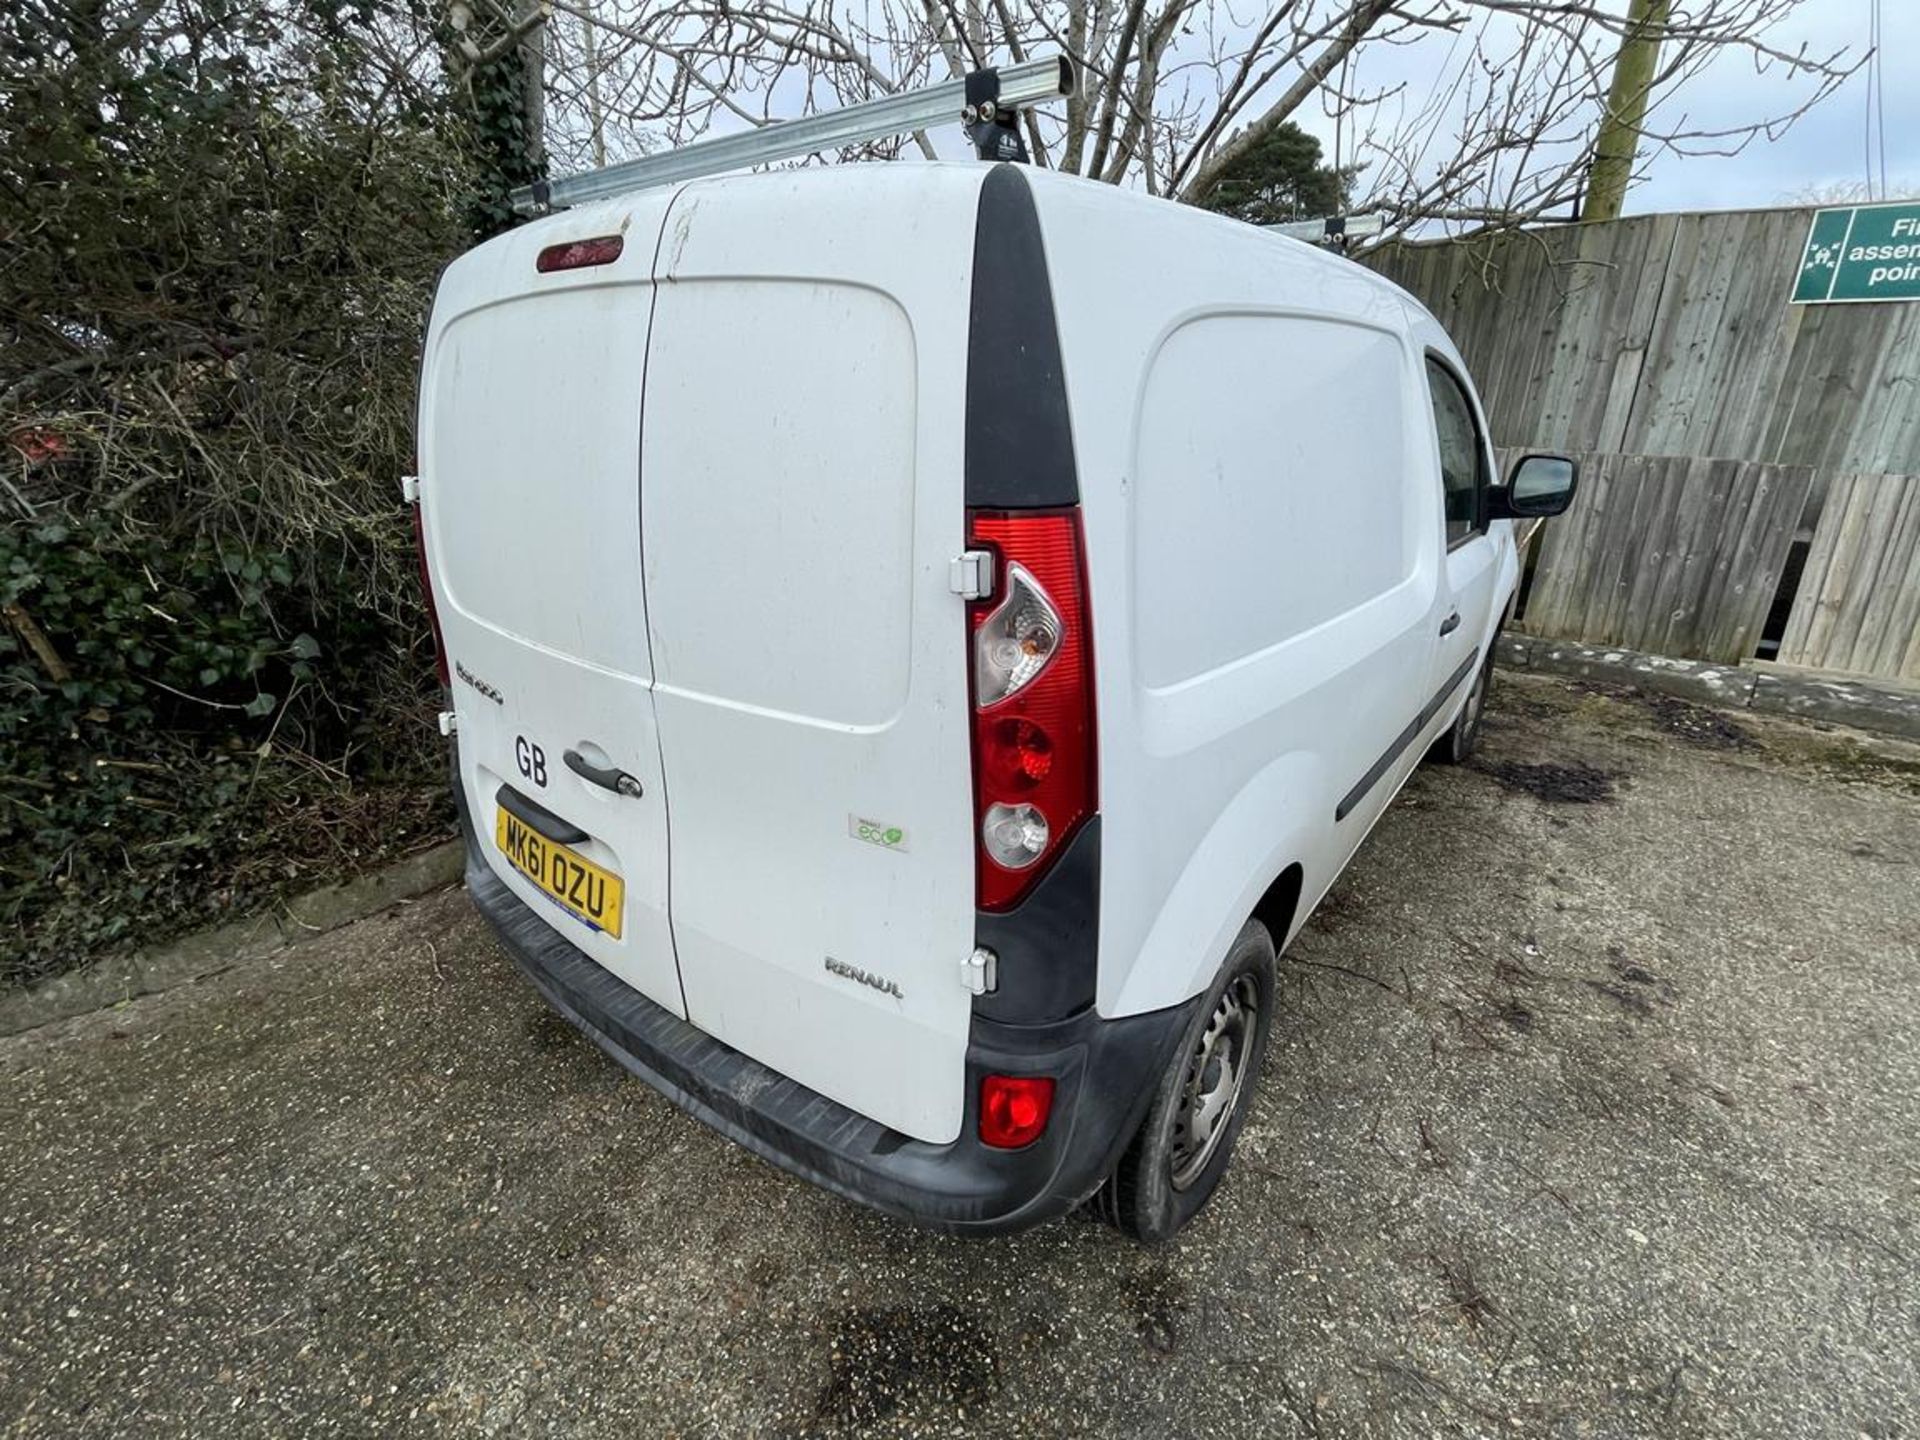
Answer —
1456 746
1181 1151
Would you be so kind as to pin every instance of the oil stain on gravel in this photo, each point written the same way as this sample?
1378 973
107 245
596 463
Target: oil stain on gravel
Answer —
889 1357
1696 724
1573 783
547 1033
1158 1298
1699 725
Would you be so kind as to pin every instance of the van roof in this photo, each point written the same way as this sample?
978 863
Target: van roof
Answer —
818 185
1306 257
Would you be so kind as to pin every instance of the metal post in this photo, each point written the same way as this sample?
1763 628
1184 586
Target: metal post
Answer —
1619 139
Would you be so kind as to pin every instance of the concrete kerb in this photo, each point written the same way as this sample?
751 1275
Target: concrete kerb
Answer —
1884 708
121 978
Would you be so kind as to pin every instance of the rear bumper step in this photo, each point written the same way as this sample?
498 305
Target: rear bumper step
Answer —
1104 1070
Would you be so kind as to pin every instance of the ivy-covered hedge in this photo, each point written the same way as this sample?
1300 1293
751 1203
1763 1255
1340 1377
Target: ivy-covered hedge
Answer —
220 226
149 684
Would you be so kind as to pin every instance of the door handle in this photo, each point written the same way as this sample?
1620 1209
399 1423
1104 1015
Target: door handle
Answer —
1447 627
537 818
607 777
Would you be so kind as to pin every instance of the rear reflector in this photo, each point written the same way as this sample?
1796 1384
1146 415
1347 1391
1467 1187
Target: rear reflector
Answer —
1033 736
1014 1109
579 254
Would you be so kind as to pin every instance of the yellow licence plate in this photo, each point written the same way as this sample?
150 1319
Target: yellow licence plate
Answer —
575 883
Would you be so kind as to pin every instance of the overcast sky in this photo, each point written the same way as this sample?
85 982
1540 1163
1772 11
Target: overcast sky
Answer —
1824 148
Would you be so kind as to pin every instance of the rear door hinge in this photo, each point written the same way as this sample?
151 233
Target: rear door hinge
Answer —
970 575
980 972
410 489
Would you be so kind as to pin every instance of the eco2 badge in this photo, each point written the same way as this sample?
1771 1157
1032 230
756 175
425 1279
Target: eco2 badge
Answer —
877 832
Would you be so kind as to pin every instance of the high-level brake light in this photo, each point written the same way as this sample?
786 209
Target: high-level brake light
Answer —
579 254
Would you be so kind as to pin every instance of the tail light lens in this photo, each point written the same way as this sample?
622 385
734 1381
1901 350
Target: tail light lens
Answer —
426 591
1014 1109
1033 736
1017 639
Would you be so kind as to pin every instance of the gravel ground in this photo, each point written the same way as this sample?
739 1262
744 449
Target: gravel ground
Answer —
1594 1111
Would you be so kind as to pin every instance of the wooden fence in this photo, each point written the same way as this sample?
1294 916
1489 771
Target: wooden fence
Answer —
1656 345
1857 607
1672 335
1669 555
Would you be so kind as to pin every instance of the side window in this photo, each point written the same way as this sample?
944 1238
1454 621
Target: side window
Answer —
1460 451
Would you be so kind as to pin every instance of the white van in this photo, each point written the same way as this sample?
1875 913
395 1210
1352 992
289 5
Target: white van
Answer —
923 636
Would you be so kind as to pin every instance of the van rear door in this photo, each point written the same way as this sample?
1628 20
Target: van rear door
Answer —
530 502
802 502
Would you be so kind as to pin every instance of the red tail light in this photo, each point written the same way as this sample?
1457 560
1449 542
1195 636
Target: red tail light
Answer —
1033 738
1014 1109
426 591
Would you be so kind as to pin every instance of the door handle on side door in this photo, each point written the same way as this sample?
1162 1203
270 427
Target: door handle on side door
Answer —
1447 627
607 777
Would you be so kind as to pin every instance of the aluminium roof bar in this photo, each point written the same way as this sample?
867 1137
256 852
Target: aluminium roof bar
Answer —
1019 85
1334 229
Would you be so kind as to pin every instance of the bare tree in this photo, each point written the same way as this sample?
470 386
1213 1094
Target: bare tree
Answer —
1851 192
1482 111
1506 133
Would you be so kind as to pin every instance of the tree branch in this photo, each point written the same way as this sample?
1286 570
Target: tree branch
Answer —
1362 18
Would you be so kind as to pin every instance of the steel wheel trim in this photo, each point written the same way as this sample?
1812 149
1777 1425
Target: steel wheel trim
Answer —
1215 1080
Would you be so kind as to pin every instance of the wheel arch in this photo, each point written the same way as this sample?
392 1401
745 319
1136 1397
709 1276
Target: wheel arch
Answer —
1278 906
1261 856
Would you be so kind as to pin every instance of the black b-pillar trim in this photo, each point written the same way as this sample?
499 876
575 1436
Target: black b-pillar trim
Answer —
1019 442
1019 456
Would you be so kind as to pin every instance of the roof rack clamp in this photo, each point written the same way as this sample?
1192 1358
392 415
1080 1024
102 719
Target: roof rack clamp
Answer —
993 128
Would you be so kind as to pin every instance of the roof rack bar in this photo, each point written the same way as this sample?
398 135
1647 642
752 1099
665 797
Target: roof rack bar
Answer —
870 120
1333 229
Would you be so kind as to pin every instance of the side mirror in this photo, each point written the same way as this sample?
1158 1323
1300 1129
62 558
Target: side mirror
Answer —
1538 486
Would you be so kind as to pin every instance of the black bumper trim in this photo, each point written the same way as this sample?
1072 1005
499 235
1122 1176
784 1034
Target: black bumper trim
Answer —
1104 1071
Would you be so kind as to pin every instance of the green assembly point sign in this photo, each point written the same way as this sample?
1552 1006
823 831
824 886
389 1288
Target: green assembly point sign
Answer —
1861 252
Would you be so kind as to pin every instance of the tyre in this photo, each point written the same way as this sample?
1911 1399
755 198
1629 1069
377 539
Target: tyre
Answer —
1456 746
1201 1099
